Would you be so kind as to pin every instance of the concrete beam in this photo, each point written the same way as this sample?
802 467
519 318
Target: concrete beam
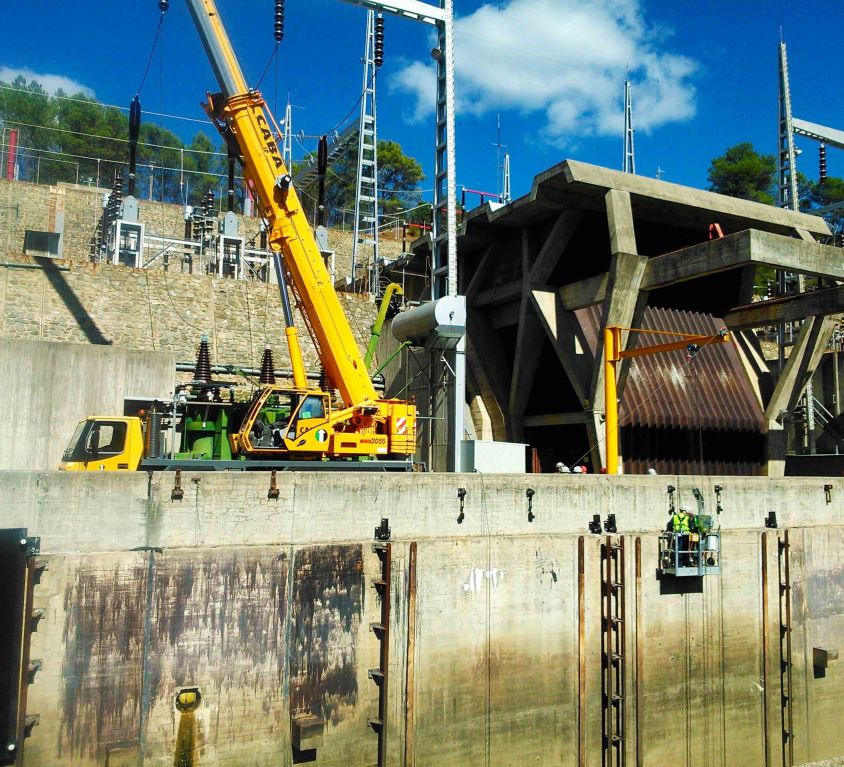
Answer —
536 268
579 295
622 303
788 309
499 294
528 347
554 246
806 354
566 336
489 369
748 247
475 283
555 419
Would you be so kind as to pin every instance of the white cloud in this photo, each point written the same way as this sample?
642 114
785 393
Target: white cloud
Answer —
50 83
566 59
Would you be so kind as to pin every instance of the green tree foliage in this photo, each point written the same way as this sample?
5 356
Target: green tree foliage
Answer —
26 108
63 138
88 130
826 194
398 179
742 172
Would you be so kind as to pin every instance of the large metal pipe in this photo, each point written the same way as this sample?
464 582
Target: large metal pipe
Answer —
188 367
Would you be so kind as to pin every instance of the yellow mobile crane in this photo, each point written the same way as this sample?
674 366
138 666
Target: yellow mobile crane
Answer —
307 423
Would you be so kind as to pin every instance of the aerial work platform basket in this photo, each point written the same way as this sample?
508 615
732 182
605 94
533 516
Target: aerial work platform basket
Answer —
690 554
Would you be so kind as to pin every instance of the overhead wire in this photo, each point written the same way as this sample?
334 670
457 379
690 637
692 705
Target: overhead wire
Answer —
114 138
152 52
92 102
273 55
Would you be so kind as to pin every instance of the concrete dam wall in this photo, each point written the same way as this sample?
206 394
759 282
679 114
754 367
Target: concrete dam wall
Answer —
487 641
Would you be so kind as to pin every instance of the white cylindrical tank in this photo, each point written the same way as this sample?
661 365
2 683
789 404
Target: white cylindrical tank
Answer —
440 323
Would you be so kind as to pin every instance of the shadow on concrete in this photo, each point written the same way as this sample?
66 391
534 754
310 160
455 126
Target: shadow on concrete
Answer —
671 584
301 757
71 301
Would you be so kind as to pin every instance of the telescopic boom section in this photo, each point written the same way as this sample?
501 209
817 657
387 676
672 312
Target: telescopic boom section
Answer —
245 114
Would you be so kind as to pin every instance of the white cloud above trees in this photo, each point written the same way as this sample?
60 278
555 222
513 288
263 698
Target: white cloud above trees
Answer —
49 82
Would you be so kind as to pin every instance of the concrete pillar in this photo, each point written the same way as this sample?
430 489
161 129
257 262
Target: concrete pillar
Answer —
623 305
805 356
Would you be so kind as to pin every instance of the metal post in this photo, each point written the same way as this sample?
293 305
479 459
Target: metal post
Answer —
611 400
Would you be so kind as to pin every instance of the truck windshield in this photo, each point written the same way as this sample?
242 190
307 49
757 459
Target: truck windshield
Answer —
75 450
96 439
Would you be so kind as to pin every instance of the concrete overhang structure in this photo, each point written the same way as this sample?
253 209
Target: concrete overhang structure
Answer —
590 247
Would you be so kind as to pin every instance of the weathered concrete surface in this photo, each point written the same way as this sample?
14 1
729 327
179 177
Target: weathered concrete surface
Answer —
49 387
266 605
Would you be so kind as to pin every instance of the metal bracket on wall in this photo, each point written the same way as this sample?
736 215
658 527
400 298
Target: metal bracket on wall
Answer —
771 520
177 493
383 532
272 493
595 524
461 494
530 492
827 491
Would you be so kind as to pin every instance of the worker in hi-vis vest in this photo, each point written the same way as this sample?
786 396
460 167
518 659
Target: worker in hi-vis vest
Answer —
681 526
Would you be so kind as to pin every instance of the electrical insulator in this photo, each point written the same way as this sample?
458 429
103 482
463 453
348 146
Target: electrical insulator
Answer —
278 29
163 5
379 41
822 163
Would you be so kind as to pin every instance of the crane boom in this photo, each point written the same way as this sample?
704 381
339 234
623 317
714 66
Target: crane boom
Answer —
244 114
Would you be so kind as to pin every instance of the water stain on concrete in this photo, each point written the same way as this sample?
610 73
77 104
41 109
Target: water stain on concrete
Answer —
327 607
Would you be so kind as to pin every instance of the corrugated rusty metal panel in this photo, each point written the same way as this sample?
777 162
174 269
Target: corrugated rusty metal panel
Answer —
711 391
672 408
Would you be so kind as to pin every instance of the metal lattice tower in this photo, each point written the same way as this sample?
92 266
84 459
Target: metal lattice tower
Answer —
787 156
788 198
444 267
365 242
505 190
629 161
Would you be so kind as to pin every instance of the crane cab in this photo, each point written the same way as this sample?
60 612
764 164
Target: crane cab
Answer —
105 443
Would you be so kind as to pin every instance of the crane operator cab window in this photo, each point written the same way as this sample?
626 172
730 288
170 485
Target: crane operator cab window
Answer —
94 440
270 426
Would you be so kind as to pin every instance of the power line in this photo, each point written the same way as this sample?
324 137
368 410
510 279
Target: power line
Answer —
92 102
114 138
35 152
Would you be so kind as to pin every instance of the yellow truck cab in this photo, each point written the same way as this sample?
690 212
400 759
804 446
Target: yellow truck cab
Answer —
105 443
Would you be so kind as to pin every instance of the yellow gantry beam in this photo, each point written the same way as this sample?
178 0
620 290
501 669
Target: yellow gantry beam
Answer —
613 353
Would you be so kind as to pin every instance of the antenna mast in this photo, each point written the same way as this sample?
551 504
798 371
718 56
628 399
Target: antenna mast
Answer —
629 161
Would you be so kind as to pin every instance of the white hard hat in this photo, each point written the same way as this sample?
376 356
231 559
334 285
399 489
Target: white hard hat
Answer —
683 507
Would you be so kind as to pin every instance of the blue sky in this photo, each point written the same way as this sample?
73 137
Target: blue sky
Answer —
704 74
